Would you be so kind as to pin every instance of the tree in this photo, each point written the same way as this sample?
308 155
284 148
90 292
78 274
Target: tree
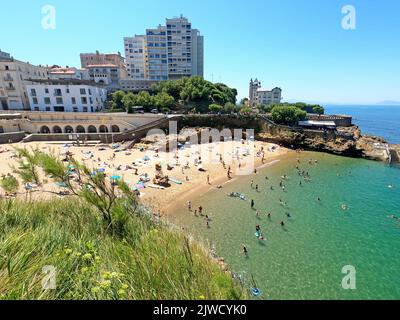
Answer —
163 100
244 102
116 100
288 114
129 101
113 199
215 108
145 100
246 110
229 107
318 109
265 108
28 164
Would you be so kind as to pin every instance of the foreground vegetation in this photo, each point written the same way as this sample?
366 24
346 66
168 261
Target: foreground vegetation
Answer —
99 241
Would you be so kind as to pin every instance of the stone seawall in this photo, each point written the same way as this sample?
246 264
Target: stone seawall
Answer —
12 137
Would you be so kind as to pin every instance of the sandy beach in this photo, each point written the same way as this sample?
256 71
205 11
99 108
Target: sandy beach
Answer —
182 165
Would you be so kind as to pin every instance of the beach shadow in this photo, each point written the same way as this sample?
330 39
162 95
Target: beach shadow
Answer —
262 243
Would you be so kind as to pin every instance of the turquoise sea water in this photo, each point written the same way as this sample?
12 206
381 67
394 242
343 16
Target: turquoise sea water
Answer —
304 259
378 120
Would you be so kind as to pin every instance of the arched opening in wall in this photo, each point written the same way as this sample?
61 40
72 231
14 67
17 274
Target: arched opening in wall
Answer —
68 129
103 129
80 129
1 129
57 129
92 129
44 129
115 128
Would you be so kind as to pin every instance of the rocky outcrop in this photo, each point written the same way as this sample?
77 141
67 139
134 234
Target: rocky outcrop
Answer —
347 141
395 153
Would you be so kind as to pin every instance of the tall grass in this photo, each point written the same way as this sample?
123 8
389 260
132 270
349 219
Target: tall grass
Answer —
148 261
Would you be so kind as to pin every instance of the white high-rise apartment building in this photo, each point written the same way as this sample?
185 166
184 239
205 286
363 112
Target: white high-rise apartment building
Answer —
167 52
157 61
135 57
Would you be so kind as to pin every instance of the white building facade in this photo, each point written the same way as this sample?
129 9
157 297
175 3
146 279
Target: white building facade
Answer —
14 76
61 97
260 96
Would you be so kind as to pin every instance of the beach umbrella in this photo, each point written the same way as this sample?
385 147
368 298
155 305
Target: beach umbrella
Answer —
134 188
115 177
101 170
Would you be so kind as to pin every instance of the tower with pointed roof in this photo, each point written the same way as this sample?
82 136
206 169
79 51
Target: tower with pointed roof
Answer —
254 86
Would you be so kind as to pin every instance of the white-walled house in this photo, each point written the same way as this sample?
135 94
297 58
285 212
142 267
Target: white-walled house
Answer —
259 96
62 97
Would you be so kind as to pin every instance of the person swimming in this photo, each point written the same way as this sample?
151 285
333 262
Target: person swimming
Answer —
282 224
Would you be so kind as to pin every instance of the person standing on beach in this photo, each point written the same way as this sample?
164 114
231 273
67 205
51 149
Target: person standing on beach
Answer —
208 179
252 203
189 205
200 210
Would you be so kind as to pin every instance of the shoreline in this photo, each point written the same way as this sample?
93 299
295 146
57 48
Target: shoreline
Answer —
202 190
120 162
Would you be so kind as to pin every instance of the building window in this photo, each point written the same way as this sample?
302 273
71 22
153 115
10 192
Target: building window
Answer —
33 92
83 91
75 109
48 109
59 100
73 100
84 100
7 68
85 109
36 108
47 101
57 92
46 90
35 100
67 90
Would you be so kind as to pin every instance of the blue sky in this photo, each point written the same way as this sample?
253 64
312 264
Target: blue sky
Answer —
298 45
